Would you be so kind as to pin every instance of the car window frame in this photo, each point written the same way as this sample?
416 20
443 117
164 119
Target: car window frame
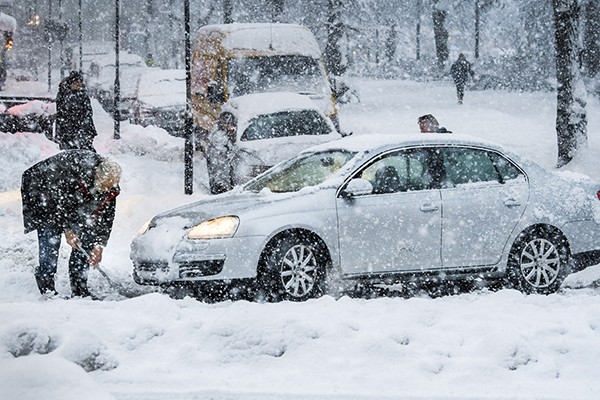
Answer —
431 159
493 156
435 158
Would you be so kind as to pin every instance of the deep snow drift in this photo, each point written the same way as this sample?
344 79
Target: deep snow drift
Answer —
480 345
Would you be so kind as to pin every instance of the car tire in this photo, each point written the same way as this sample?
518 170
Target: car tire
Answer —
538 262
295 270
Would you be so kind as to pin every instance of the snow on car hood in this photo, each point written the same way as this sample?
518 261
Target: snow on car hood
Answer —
215 206
162 88
251 105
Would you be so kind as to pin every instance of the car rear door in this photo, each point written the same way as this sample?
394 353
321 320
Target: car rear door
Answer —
397 227
484 197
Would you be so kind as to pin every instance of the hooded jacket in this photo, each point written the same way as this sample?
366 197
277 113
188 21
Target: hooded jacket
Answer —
75 127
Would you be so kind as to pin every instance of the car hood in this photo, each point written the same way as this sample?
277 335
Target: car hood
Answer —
215 206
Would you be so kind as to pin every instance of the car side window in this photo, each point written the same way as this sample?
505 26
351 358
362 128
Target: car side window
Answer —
505 168
398 172
465 165
285 124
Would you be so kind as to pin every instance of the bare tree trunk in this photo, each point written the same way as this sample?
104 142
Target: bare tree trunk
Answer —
440 34
227 12
335 31
591 38
277 7
418 30
571 119
477 21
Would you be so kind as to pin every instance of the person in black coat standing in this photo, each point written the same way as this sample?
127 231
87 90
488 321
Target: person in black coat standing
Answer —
461 70
73 192
75 127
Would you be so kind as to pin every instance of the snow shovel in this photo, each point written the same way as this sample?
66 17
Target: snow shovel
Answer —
120 288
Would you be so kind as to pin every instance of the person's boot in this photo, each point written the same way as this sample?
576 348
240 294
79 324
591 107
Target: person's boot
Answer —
46 284
79 286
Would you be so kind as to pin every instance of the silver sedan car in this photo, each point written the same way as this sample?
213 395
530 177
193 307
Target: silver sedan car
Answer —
383 209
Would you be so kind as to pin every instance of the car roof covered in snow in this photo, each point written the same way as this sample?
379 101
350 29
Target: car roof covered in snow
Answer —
263 38
158 82
372 142
249 106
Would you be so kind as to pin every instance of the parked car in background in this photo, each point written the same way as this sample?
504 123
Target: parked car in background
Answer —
231 60
101 80
93 52
262 130
160 100
27 114
381 209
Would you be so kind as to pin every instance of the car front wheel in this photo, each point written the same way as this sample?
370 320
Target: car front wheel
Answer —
294 270
539 262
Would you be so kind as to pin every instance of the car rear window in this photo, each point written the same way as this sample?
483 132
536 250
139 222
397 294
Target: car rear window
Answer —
285 124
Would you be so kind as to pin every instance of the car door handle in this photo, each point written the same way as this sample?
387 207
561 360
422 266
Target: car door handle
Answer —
429 207
511 202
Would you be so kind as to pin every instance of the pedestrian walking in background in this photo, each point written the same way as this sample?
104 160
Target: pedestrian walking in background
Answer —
461 70
73 192
75 127
429 124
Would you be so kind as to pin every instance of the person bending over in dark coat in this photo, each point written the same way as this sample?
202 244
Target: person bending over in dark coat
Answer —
75 127
73 192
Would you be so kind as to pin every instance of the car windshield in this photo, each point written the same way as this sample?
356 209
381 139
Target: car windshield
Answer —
290 73
286 123
305 170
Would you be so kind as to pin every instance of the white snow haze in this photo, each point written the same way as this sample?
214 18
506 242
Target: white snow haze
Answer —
485 344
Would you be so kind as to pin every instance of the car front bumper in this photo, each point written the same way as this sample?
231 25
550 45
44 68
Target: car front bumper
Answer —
197 260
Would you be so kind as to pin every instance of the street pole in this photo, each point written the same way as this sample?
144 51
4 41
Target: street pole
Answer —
49 36
61 48
117 94
80 39
188 152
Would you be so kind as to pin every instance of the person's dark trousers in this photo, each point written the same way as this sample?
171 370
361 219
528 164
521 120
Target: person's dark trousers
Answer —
49 244
78 271
460 92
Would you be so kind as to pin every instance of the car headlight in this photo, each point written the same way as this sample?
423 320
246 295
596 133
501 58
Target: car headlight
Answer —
218 228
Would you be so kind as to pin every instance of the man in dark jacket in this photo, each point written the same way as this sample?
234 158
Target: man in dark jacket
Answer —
461 70
73 192
75 127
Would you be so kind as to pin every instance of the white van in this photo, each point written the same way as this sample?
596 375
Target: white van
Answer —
238 59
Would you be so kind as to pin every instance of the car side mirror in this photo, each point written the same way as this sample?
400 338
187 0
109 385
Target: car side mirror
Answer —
357 187
214 93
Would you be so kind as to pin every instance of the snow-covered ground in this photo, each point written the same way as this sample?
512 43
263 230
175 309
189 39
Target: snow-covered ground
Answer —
480 345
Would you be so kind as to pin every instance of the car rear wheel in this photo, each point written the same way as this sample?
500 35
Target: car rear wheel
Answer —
294 270
539 262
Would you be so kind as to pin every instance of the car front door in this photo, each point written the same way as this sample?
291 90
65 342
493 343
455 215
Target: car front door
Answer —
484 197
396 227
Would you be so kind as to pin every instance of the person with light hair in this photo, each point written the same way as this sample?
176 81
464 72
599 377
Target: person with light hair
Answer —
73 192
